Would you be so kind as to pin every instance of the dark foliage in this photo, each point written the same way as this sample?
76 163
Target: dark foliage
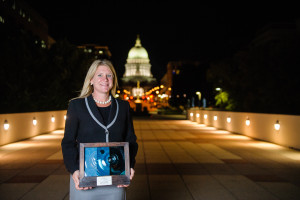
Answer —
263 78
38 79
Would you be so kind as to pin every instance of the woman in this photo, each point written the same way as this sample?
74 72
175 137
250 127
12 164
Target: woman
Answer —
96 116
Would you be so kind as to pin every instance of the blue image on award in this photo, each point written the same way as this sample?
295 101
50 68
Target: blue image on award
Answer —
104 161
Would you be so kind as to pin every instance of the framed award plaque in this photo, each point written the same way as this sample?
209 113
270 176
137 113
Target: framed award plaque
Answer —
103 164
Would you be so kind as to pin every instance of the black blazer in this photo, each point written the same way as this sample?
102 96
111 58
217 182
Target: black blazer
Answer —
80 127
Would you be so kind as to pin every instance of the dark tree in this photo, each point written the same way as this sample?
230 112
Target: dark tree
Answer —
33 78
264 78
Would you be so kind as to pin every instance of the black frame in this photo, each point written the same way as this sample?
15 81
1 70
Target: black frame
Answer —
94 181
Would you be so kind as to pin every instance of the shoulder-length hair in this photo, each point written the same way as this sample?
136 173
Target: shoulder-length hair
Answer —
87 88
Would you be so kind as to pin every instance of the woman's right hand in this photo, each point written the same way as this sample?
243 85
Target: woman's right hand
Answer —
75 177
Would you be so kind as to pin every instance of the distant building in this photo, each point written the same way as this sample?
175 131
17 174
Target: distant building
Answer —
275 33
167 79
138 77
18 14
99 52
182 80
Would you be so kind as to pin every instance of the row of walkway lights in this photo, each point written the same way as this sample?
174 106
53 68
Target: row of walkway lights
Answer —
34 122
247 122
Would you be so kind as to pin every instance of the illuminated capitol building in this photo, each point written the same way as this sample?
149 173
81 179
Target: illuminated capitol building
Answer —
138 78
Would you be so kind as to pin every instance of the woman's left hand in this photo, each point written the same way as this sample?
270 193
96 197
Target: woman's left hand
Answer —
131 177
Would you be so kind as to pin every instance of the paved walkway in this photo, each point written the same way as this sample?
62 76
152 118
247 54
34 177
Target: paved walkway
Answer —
177 159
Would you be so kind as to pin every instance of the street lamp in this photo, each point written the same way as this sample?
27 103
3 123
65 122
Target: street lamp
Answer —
199 96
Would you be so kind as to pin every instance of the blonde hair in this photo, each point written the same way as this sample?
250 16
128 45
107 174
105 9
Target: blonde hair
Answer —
87 88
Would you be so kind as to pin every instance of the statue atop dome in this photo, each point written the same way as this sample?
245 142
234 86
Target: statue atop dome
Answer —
138 51
138 41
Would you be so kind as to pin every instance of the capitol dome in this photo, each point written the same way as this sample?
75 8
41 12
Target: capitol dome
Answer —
138 52
138 67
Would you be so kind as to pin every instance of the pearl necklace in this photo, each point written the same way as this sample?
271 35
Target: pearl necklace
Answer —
103 102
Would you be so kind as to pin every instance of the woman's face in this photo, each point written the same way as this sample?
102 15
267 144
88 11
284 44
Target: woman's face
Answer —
102 80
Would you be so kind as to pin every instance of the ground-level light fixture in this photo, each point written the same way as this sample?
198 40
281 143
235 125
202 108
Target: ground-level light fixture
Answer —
248 121
6 125
34 121
277 125
228 119
53 118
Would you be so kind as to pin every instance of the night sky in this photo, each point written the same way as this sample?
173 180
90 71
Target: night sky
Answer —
169 31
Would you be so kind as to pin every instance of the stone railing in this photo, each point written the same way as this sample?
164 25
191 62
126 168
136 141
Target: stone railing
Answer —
276 128
20 126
